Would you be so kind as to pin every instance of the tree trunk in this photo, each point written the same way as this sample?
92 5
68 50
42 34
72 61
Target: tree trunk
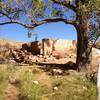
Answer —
83 60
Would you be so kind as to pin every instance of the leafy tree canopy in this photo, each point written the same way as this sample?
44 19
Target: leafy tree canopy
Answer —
31 13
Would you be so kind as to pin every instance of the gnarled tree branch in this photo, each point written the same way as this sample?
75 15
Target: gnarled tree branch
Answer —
39 23
6 15
55 20
18 22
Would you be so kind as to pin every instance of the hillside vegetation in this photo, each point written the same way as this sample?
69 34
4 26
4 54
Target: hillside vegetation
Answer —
32 83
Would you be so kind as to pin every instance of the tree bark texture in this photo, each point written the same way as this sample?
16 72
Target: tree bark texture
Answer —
83 60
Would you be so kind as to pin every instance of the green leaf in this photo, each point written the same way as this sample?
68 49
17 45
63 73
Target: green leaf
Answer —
9 9
16 15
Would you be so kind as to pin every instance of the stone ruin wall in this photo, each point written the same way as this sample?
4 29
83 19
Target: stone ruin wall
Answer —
46 50
58 47
51 47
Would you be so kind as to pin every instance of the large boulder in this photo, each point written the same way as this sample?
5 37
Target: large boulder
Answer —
95 59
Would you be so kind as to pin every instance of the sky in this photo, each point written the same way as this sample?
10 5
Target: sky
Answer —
58 30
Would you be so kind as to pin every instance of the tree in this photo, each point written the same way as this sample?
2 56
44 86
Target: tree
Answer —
84 14
32 13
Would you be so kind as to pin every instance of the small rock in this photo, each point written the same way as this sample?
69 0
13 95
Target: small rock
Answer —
14 81
84 88
36 82
12 61
55 88
57 72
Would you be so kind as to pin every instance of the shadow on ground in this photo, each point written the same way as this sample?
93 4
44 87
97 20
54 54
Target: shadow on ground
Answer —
57 69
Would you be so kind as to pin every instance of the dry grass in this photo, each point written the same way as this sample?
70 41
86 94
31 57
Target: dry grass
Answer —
72 87
9 43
